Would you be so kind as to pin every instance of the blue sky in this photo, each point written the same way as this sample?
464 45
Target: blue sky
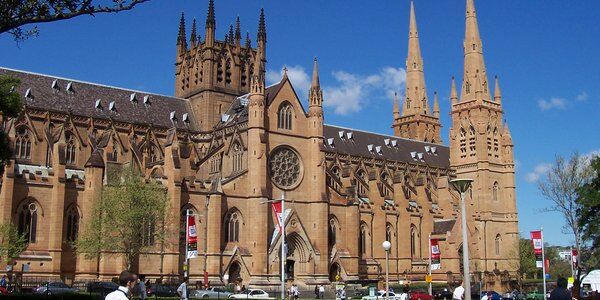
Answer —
545 52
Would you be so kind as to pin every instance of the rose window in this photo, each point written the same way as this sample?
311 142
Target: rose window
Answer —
286 168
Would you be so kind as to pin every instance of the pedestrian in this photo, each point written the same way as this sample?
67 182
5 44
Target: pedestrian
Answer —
296 292
343 294
322 292
317 292
182 289
459 292
561 292
142 285
404 294
127 281
3 281
487 296
243 288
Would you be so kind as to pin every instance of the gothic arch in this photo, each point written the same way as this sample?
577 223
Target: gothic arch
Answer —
233 223
285 116
27 214
334 229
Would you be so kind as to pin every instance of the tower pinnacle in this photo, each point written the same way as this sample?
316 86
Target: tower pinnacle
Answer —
416 94
315 76
193 37
238 30
181 39
396 107
475 84
436 106
453 94
497 91
210 17
315 97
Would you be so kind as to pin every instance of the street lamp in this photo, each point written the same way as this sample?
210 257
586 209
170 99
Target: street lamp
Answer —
462 186
386 246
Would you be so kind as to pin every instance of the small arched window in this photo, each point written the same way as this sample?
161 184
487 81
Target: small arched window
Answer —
497 243
389 233
114 155
237 157
23 143
232 227
363 239
72 223
414 239
27 224
70 149
407 187
285 116
495 189
332 232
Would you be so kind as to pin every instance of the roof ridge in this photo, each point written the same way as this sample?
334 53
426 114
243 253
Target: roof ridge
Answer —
383 134
92 83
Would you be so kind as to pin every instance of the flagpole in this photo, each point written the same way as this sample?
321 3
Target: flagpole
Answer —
187 240
572 263
430 253
543 261
283 256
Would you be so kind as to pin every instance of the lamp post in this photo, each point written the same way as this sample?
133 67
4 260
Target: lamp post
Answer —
386 246
282 225
462 186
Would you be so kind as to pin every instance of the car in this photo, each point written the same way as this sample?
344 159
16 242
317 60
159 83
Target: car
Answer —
54 288
381 295
161 290
420 295
495 295
444 294
514 295
213 293
251 294
101 287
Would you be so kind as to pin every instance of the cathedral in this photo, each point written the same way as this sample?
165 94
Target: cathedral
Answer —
226 143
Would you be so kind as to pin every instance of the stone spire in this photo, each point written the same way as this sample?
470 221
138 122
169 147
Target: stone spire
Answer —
181 39
238 30
193 37
315 93
497 92
416 93
453 94
210 17
475 76
248 41
262 28
231 37
396 106
436 105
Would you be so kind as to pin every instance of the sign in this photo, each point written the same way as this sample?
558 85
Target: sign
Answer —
571 280
276 206
428 278
536 240
435 254
575 258
192 237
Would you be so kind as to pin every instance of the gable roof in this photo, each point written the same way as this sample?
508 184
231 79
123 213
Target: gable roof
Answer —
82 96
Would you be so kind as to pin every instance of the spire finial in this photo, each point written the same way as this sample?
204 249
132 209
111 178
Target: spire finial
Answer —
248 41
436 105
193 37
416 91
315 76
396 106
181 39
285 70
453 94
231 35
262 27
238 30
497 91
210 17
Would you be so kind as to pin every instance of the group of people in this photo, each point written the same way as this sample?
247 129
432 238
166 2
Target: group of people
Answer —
561 292
320 291
128 280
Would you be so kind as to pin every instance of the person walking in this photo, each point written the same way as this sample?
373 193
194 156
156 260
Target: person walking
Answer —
142 286
459 292
343 294
317 292
127 281
182 290
296 292
561 292
404 294
322 292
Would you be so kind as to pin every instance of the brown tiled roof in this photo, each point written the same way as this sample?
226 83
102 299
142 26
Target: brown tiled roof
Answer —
81 100
443 226
382 147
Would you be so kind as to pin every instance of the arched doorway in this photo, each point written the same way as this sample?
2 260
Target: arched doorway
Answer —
335 272
235 273
298 256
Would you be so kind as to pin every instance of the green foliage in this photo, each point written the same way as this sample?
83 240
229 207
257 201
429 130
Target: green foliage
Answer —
527 267
10 107
12 244
558 267
16 13
129 218
589 213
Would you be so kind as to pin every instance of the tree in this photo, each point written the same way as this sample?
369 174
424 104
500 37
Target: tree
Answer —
558 266
16 13
12 244
523 259
10 107
128 218
589 213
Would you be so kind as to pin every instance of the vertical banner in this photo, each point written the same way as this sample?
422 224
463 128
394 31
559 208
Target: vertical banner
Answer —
192 238
536 240
575 258
435 254
276 206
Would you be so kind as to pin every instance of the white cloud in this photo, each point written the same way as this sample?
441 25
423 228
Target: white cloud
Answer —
583 96
538 171
350 91
559 103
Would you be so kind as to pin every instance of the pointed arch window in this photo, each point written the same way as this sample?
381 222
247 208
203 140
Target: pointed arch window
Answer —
472 137
332 232
495 189
23 143
72 223
114 155
497 243
237 157
285 116
232 227
27 224
228 72
70 149
220 72
389 233
414 240
363 239
463 142
496 145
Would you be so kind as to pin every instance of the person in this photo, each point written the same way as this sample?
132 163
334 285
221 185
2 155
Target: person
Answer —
561 292
459 292
182 289
317 292
127 281
404 294
142 285
322 292
243 288
296 292
3 281
487 296
343 294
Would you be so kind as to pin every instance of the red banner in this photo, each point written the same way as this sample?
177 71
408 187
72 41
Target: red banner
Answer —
192 237
575 258
435 254
536 240
276 206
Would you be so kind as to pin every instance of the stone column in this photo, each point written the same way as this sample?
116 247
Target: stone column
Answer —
56 210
